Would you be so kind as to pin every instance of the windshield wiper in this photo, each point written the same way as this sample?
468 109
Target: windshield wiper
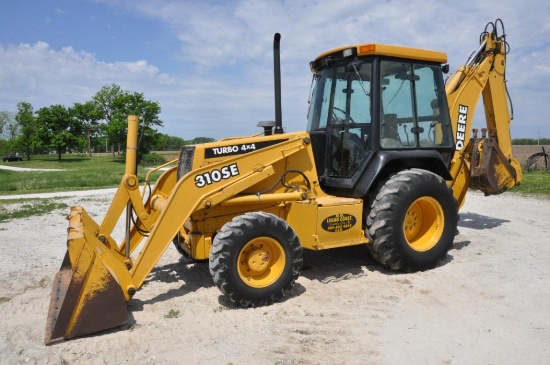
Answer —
359 78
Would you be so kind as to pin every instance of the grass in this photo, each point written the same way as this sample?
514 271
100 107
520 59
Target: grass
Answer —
84 173
172 313
534 183
80 173
22 208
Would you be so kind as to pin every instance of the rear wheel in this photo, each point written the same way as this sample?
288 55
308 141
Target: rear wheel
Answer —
412 221
255 259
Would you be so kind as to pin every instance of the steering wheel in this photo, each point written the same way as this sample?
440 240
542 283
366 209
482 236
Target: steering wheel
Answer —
337 120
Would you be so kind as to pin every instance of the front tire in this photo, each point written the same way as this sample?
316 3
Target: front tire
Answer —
255 259
412 221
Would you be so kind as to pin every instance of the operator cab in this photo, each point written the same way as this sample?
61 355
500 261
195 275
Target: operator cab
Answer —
376 103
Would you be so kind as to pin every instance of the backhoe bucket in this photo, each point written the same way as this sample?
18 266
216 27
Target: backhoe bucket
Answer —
491 171
86 297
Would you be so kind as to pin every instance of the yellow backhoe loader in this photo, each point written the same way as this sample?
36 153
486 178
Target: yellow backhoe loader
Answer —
386 161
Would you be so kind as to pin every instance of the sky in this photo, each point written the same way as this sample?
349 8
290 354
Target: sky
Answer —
209 63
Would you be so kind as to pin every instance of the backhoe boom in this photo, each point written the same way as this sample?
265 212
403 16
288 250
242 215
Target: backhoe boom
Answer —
482 162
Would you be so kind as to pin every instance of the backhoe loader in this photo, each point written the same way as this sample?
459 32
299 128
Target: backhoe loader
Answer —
386 161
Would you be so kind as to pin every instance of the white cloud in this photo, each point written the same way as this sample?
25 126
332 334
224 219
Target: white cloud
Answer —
47 76
225 82
44 76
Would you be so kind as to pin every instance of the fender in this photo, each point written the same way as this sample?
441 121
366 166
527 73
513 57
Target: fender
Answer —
384 163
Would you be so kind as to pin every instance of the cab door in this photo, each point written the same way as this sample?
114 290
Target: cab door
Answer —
340 119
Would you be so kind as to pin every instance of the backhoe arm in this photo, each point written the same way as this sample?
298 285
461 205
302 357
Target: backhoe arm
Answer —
482 162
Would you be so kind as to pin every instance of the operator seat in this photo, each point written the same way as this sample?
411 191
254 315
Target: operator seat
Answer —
389 137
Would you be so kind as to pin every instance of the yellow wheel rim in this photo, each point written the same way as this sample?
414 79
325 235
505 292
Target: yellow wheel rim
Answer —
424 223
261 262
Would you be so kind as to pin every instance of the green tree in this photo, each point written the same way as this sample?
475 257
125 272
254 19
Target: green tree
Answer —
168 143
59 129
5 118
12 131
28 138
115 105
148 112
531 141
524 141
89 114
8 128
199 140
107 102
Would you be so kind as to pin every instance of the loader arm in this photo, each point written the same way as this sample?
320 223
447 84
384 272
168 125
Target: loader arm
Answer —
187 197
98 276
482 162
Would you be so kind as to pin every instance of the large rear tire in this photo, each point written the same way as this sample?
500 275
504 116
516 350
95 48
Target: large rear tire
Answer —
412 221
255 259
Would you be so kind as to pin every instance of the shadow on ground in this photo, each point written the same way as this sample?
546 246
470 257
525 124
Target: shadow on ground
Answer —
478 221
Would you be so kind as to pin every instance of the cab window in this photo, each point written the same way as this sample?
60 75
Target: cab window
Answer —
410 106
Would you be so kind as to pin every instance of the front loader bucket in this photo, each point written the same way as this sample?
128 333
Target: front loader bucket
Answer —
85 298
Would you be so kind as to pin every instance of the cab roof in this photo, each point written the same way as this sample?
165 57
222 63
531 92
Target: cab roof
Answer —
377 49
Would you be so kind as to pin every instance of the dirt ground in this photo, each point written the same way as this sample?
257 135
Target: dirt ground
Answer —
487 303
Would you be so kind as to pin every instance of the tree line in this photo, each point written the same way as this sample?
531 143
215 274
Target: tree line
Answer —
531 141
97 125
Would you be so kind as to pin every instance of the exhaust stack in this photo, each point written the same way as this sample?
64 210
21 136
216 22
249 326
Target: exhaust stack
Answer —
277 75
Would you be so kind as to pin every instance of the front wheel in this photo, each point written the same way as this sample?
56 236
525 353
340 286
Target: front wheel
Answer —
255 259
412 221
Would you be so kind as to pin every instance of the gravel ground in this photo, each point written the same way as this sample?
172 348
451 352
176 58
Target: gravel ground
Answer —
488 302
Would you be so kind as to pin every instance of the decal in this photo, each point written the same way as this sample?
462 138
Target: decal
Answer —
338 222
461 126
239 149
216 175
